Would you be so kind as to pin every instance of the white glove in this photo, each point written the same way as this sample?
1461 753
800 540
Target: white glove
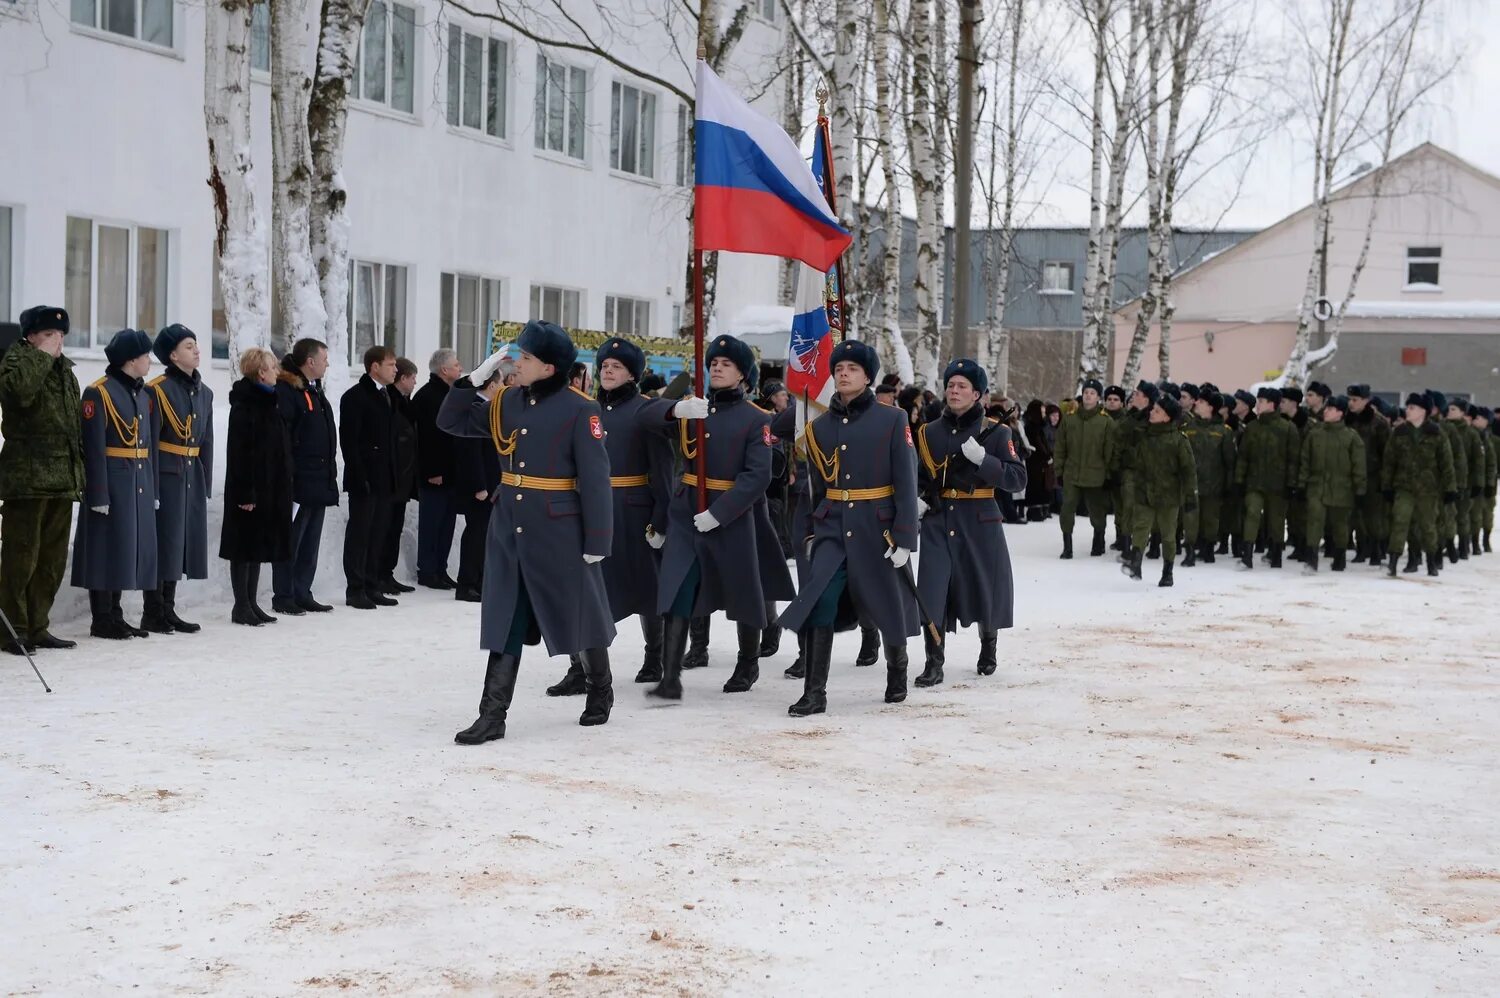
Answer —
705 520
973 450
898 556
482 373
656 540
921 507
592 559
101 510
158 504
691 407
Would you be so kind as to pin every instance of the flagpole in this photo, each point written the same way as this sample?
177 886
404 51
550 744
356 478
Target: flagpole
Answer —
701 460
831 194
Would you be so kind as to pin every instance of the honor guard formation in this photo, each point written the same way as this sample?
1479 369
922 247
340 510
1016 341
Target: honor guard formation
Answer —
582 501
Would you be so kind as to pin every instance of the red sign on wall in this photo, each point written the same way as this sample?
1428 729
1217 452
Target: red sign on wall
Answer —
1413 356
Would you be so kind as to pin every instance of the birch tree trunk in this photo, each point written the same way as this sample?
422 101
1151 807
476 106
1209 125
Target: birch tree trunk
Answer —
299 299
890 283
1119 160
240 236
1090 364
924 169
1146 311
941 115
340 25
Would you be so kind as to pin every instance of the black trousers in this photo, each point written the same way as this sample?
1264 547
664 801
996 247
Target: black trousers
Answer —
365 541
476 513
390 547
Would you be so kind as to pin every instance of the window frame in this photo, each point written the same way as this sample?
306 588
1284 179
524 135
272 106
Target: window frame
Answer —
357 96
379 304
256 13
1072 272
612 303
96 337
760 8
95 29
8 260
684 175
448 312
541 108
1423 256
504 78
538 287
643 145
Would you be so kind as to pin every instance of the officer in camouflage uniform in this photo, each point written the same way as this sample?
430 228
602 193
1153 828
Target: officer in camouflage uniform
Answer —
1371 520
1114 408
115 546
41 475
1332 478
1470 485
1483 419
1232 513
1165 481
1293 411
1417 476
184 455
1213 457
1447 524
1265 468
1129 430
1085 448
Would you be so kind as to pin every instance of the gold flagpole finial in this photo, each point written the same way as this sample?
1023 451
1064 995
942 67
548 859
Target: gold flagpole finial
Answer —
822 94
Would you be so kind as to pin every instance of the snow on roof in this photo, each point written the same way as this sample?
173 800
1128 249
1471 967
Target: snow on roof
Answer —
762 319
1424 309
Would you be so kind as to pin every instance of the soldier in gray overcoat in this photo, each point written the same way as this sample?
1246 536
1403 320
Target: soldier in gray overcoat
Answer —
185 461
863 471
551 526
114 548
640 470
964 460
725 557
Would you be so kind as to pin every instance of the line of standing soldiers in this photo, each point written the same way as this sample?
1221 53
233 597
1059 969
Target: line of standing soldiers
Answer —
1240 474
597 518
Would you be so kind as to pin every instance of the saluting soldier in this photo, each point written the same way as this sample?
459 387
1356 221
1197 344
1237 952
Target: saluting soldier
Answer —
1332 478
640 466
551 525
1371 520
725 557
1085 448
1417 476
115 546
184 456
1166 485
1264 470
963 459
863 472
1213 455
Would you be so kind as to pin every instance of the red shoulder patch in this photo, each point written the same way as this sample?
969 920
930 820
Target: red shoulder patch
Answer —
596 428
88 408
908 434
1011 443
765 433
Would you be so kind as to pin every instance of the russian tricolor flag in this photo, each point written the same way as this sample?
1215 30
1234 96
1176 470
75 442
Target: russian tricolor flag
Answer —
753 190
808 376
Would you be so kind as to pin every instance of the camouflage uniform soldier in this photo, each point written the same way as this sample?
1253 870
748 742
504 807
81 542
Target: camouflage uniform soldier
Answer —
1265 468
1484 507
1114 407
1331 478
1417 475
1085 448
1213 455
1166 484
1128 433
1372 518
1471 487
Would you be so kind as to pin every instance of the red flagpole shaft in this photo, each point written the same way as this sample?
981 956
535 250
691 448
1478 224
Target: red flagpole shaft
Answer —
831 193
698 375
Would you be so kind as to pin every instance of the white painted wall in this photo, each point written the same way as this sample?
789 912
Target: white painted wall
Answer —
100 127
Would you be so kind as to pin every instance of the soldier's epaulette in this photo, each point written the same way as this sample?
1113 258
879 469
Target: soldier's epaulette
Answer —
991 422
768 412
581 393
157 380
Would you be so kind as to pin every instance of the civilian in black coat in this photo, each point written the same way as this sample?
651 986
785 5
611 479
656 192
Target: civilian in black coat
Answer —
407 450
438 499
475 479
257 484
367 438
308 417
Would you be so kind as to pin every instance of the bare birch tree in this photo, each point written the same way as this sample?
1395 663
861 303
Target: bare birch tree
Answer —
924 182
890 271
240 236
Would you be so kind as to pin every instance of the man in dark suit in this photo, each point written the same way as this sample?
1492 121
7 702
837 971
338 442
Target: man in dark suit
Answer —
406 476
367 438
315 486
438 499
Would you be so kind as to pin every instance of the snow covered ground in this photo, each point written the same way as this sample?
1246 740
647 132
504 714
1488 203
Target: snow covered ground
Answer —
1250 784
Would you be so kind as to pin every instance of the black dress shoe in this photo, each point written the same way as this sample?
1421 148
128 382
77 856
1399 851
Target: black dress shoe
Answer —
114 630
17 647
244 615
438 581
265 618
313 606
360 601
287 608
393 588
468 594
381 599
47 640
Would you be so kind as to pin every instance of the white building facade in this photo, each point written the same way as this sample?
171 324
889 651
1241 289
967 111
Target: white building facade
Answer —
489 178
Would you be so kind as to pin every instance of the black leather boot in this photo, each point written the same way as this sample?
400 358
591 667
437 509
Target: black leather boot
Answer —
895 672
869 646
572 683
252 588
1153 549
1166 574
1487 548
1067 547
770 635
1390 568
674 637
1434 563
601 687
1463 547
1338 561
1224 546
932 668
815 684
697 653
169 598
1274 550
117 612
1189 555
103 623
747 664
1097 548
798 669
154 613
1310 563
651 625
1206 553
1452 550
987 661
494 702
1361 552
1413 561
1132 567
241 613
1247 557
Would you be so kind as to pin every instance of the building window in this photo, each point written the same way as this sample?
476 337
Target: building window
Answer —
377 308
561 91
1422 268
149 21
7 225
477 73
1057 278
627 316
260 38
115 277
766 9
384 72
632 130
469 305
559 305
684 146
